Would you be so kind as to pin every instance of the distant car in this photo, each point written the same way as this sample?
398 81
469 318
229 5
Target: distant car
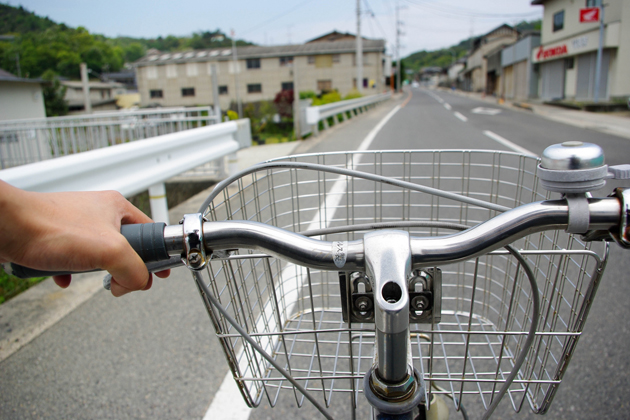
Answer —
415 84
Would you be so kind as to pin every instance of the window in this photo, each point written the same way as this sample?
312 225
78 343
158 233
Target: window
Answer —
253 63
192 69
569 63
311 59
336 58
151 72
188 91
354 83
223 90
592 3
324 85
171 71
286 61
287 86
254 88
157 93
323 61
558 21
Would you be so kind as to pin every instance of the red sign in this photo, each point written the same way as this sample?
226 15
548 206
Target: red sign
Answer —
589 15
545 53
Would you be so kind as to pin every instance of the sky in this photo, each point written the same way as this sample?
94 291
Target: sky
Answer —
425 24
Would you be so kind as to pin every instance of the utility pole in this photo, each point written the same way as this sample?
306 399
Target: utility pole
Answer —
359 58
86 88
215 91
398 58
600 51
235 63
296 102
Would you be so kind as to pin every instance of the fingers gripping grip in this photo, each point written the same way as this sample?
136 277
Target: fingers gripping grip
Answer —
146 239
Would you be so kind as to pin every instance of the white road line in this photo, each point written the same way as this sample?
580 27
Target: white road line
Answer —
228 402
434 96
508 143
460 116
447 106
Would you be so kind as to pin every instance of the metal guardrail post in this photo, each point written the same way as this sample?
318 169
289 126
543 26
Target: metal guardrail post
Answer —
158 203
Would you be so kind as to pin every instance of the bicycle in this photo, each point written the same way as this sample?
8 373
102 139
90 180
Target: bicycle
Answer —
389 302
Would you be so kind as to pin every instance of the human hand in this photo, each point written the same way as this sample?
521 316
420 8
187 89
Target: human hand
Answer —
72 231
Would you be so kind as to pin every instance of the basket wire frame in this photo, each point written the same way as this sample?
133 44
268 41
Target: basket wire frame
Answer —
294 313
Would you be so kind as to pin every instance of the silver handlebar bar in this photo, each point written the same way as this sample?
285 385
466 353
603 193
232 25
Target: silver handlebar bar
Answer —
605 214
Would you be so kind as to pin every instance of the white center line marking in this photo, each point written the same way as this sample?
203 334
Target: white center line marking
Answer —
228 402
447 106
508 143
460 116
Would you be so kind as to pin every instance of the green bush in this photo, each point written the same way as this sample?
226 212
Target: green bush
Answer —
331 97
306 94
353 94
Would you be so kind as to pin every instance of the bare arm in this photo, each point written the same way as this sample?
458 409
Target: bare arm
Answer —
73 231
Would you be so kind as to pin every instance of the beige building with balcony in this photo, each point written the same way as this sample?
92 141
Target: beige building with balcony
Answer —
185 78
476 71
567 55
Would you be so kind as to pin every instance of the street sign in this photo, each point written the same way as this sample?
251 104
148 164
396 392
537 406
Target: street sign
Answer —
486 111
589 15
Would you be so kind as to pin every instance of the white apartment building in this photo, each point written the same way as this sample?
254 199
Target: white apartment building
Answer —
185 78
568 51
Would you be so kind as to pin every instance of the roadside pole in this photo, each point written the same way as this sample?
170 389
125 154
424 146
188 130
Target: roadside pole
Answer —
215 91
359 58
296 102
600 53
236 69
86 88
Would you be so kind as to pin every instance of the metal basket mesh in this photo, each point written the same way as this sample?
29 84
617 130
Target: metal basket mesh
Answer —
295 313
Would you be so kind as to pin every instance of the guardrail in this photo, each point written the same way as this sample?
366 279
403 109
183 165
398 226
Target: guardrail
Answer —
315 114
34 140
134 167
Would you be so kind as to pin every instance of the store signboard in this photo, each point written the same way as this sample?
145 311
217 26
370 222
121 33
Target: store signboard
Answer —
589 15
569 47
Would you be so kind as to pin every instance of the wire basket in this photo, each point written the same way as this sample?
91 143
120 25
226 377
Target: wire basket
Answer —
295 313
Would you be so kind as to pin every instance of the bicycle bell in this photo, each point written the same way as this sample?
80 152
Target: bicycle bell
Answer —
573 167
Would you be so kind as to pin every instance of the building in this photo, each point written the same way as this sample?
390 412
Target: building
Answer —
475 74
567 55
20 98
103 95
127 77
321 65
494 72
520 79
454 71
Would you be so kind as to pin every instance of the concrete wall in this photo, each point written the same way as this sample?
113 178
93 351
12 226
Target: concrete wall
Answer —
572 25
620 85
172 78
21 100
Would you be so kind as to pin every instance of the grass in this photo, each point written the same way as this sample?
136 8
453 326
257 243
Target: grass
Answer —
11 286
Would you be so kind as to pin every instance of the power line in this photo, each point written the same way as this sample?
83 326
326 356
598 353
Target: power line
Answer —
452 11
260 25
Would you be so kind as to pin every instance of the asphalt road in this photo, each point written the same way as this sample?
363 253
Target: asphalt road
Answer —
153 354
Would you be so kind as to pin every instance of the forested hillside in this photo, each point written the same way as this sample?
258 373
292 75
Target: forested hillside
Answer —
39 44
445 56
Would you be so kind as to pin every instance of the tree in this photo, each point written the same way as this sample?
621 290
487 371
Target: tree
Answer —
54 93
284 103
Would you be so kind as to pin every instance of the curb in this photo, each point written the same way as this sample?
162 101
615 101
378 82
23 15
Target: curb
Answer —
33 311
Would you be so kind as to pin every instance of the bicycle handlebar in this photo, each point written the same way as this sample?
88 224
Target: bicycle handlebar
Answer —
156 242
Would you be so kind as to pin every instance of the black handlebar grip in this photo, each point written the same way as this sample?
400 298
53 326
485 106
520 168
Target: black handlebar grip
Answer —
146 239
